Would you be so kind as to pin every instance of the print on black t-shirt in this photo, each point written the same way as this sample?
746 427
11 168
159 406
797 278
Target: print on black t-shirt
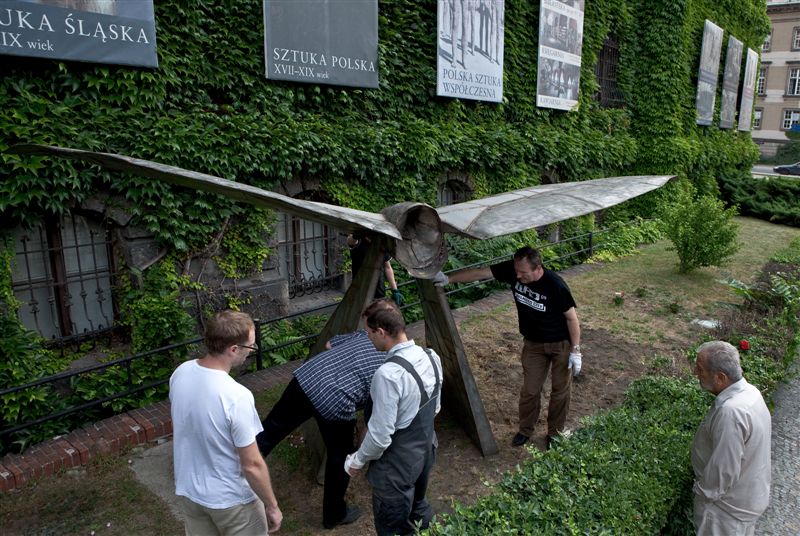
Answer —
540 305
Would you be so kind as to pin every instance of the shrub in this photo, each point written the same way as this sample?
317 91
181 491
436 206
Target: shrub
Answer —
788 152
622 473
622 238
773 199
702 231
23 359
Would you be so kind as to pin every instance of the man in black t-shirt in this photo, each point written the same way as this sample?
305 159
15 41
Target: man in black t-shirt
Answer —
552 335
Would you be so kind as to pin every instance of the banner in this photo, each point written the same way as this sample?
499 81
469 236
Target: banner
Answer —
99 31
470 49
560 44
730 83
707 76
748 91
322 41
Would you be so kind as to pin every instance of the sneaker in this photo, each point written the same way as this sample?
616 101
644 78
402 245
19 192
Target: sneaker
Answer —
519 440
351 515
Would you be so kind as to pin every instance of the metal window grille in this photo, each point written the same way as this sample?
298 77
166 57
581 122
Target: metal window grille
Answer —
761 84
62 275
606 72
308 255
793 87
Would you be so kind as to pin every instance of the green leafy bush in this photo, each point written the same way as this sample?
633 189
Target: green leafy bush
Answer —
702 231
788 152
290 337
772 199
244 244
156 318
790 254
621 473
23 359
622 238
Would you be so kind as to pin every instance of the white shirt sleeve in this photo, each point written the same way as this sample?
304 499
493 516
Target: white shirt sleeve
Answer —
385 392
245 424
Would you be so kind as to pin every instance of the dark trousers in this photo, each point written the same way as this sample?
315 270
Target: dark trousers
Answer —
400 511
293 409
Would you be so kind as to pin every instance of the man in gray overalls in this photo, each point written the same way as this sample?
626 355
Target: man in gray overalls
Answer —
400 442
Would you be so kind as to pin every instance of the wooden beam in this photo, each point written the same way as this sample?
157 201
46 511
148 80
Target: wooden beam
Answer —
345 319
460 392
347 315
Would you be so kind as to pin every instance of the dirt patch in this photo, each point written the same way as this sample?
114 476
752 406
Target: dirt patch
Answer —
461 474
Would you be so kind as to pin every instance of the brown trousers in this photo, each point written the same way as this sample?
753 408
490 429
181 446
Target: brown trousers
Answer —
538 358
242 520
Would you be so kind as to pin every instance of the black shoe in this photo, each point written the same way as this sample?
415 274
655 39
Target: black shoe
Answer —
351 515
519 440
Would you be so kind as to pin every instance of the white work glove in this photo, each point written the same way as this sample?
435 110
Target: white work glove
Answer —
351 463
575 359
440 279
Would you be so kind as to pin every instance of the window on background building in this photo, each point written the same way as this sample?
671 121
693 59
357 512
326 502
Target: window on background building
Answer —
793 87
452 192
790 118
767 43
761 83
62 275
307 252
796 38
757 117
605 71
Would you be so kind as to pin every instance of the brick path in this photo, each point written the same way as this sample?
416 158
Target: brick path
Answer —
110 436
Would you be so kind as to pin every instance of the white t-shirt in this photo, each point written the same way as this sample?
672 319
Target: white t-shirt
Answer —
212 416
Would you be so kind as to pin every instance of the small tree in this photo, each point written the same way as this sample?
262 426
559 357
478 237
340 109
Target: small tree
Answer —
702 230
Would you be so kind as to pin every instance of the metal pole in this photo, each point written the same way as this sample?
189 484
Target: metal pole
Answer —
259 352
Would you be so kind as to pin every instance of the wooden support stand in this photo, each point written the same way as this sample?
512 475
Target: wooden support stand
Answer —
460 393
344 319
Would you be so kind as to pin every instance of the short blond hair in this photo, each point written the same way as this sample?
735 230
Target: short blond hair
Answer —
227 328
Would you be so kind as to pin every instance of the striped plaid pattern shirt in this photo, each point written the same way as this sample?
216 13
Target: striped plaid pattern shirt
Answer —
337 381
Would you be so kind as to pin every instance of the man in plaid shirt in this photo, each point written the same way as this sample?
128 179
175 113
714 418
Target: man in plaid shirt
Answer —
330 387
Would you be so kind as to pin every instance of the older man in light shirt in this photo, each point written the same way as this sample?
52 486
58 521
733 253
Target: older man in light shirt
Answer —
731 449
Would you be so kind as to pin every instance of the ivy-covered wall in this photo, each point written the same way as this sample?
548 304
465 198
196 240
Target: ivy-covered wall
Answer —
209 108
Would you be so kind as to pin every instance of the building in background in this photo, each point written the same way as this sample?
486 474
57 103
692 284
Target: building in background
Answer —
777 106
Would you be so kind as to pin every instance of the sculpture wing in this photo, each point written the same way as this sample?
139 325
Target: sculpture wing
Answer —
532 207
346 219
417 228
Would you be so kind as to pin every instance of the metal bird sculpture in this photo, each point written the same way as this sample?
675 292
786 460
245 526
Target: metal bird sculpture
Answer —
414 234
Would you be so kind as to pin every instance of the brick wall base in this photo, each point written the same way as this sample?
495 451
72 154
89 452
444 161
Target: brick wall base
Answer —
113 435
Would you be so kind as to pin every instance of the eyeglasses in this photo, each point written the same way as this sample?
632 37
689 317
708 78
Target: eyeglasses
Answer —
253 348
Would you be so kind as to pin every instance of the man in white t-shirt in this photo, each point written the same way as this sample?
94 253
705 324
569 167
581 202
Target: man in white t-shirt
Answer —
221 480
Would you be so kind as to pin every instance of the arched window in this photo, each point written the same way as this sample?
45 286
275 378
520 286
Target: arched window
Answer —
609 94
308 252
62 275
452 191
